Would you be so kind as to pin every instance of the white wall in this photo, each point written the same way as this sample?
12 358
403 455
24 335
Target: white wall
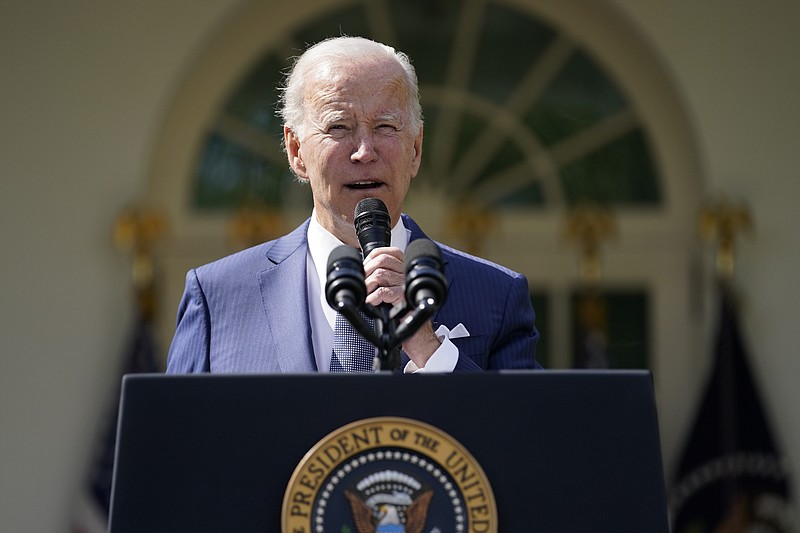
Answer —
736 63
85 85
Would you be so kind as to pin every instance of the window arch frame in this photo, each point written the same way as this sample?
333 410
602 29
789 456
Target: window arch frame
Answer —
657 248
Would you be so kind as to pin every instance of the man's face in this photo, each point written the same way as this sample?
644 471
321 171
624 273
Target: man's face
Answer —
356 141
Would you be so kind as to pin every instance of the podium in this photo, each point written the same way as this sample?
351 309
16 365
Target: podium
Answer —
559 451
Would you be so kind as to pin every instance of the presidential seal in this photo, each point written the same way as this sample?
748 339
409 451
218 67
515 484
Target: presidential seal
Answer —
388 475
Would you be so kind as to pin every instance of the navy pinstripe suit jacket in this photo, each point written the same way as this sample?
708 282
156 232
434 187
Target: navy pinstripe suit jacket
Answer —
248 312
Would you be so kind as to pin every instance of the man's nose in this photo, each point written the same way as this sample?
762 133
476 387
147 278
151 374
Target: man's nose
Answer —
365 149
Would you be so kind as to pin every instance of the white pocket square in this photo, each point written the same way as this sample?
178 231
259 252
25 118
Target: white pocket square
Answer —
455 333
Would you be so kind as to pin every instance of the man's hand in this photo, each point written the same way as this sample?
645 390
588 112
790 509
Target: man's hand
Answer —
385 279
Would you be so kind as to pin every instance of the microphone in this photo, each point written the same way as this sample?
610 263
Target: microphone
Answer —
346 291
373 228
425 281
426 286
373 224
345 287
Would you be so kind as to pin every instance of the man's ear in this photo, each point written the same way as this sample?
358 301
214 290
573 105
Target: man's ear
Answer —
294 153
417 159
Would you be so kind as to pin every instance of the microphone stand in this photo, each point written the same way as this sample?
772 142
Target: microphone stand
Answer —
384 339
426 288
389 349
393 332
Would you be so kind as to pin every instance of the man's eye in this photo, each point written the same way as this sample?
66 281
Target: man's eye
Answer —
337 131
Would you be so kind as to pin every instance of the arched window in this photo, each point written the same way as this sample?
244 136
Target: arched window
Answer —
530 109
518 115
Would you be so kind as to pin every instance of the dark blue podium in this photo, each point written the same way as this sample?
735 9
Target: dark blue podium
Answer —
563 451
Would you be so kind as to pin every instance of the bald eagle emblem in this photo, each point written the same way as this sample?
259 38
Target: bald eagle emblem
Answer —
388 475
389 502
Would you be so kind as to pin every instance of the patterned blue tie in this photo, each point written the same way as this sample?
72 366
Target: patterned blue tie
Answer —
351 351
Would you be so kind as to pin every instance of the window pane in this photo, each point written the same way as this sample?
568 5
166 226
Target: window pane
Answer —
580 96
610 329
510 44
618 173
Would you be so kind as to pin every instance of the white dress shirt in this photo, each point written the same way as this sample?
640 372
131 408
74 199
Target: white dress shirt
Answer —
323 317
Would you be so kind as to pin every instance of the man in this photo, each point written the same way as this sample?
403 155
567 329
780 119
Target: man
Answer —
352 130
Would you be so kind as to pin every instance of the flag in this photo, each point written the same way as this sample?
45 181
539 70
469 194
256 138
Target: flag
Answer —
95 502
731 476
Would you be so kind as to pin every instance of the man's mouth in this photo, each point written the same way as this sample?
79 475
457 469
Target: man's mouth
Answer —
363 185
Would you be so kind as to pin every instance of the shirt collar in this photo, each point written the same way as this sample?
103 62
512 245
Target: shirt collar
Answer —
321 243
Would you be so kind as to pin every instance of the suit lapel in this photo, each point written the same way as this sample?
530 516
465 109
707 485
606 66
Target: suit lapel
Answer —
284 295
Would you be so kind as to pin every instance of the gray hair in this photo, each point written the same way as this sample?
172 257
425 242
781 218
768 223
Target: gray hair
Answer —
291 108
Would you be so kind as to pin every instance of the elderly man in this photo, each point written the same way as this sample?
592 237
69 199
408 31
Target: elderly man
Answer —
352 130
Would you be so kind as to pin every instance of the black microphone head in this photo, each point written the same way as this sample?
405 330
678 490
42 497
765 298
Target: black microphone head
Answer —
424 273
370 204
422 248
345 281
340 253
373 224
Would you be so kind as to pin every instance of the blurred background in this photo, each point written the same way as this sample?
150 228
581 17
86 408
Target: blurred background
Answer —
579 142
